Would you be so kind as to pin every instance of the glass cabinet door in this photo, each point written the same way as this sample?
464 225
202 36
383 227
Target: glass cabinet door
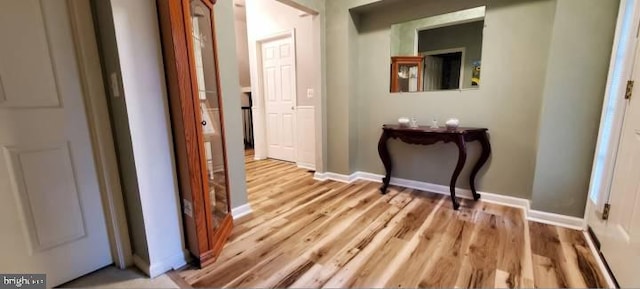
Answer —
408 77
406 73
210 110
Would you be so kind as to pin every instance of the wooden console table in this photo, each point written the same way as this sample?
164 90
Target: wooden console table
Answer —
424 135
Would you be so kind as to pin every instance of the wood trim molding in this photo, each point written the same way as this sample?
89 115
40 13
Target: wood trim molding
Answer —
220 236
204 241
198 164
179 84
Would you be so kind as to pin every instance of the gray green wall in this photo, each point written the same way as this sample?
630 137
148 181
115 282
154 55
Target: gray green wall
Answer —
508 102
230 89
572 101
518 39
242 46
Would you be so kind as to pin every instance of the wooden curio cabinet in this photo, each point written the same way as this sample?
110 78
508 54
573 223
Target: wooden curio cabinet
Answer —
192 75
406 73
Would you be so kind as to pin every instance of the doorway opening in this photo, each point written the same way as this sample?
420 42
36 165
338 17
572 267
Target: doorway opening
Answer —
279 72
443 69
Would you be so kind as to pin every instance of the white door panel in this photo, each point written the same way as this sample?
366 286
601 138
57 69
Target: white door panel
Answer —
287 93
272 121
44 184
621 242
279 86
51 212
287 129
26 19
270 84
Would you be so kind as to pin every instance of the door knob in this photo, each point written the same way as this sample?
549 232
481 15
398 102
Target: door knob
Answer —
204 123
293 108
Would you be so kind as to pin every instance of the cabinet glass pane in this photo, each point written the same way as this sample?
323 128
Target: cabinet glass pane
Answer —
408 77
210 109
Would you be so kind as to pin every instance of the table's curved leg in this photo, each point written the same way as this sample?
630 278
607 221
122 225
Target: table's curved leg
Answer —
383 151
462 158
484 156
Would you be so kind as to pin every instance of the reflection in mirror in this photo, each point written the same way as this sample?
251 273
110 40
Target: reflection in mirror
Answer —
207 91
445 52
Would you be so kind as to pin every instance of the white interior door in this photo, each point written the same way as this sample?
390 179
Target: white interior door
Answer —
51 215
621 242
279 86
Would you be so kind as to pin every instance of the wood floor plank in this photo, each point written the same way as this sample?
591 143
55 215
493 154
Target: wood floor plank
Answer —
328 265
575 247
364 210
346 276
480 262
444 267
546 273
511 253
547 250
305 233
421 250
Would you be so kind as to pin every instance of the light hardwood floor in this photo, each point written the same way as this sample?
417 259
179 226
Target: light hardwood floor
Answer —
304 233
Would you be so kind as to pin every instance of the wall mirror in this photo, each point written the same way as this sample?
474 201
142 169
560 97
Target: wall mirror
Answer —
441 52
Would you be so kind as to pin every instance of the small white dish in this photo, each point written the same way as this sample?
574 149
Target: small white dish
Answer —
404 121
452 123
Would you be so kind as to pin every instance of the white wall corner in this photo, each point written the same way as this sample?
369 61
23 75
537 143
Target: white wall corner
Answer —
141 264
557 219
241 211
306 166
318 176
158 268
524 204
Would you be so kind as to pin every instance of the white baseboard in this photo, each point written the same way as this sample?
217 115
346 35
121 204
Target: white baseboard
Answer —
309 167
320 176
334 177
241 211
524 204
557 219
158 268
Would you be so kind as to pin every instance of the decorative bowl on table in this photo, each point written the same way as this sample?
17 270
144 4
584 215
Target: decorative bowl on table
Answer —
452 123
404 121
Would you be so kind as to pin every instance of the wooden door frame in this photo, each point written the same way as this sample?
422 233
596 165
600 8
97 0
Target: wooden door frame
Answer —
95 98
260 122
